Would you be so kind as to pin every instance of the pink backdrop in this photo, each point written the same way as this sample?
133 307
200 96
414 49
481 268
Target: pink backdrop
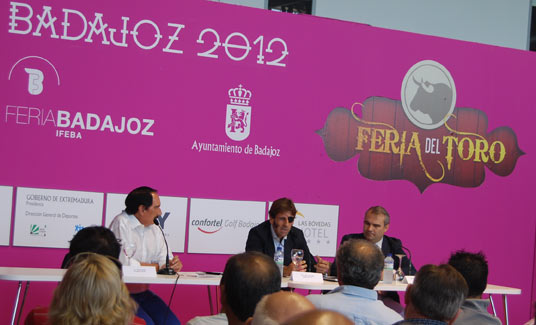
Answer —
330 64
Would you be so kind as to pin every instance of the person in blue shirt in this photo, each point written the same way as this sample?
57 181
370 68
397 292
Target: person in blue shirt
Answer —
359 268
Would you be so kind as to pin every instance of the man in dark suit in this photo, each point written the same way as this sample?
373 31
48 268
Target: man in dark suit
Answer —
375 224
278 231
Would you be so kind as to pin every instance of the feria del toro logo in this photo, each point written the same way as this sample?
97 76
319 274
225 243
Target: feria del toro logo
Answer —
238 117
423 138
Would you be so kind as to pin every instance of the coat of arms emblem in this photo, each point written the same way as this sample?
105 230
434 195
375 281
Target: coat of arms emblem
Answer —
238 117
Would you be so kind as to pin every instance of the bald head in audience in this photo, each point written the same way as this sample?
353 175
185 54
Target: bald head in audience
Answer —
320 317
246 279
279 307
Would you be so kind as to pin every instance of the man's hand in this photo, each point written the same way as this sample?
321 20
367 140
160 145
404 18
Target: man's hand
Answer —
287 270
175 264
322 266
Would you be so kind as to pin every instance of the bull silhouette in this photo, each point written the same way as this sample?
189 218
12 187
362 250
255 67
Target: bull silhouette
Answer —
433 99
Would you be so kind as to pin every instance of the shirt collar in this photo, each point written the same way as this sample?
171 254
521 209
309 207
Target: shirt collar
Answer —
356 291
479 304
379 243
133 222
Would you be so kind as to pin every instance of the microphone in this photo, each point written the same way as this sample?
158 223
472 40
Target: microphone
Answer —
309 263
167 270
409 259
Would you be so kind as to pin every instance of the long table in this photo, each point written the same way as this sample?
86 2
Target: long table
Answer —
23 274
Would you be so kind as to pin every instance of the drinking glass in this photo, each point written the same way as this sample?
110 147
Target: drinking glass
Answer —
129 250
399 274
297 256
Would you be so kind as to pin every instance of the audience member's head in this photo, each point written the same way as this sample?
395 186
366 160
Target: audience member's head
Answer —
246 279
92 292
94 239
320 317
277 308
139 196
437 293
474 269
359 263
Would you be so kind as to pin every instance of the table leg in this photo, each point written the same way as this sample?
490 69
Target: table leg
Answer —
505 310
492 306
23 300
16 304
210 301
217 302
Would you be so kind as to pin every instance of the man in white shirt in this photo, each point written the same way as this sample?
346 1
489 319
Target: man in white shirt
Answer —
144 243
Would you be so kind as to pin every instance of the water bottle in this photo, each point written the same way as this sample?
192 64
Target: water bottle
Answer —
388 268
279 258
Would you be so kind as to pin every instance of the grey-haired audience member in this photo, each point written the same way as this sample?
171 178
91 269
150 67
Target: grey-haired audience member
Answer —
474 269
435 296
359 267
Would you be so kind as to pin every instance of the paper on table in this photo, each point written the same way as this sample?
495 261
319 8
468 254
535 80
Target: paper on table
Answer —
141 271
308 277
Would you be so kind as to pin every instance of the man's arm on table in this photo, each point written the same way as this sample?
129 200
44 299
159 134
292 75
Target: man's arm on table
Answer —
316 264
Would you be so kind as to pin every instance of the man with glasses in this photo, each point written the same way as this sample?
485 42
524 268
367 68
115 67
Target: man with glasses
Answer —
278 231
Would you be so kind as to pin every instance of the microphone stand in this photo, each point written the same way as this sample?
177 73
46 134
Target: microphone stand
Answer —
409 259
167 270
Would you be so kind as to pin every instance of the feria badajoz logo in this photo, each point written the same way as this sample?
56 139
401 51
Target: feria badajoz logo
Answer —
41 77
423 138
238 117
35 76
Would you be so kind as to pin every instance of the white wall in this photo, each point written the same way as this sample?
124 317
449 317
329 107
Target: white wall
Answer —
262 4
497 22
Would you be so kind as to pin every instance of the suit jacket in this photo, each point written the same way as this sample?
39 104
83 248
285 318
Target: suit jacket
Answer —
260 240
390 245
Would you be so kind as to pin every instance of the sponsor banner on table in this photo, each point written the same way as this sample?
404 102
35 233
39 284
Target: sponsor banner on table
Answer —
172 220
6 202
222 226
50 218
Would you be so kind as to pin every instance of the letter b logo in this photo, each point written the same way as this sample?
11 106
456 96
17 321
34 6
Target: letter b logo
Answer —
35 81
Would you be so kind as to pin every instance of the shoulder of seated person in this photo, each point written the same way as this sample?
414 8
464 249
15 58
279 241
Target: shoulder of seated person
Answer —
351 236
